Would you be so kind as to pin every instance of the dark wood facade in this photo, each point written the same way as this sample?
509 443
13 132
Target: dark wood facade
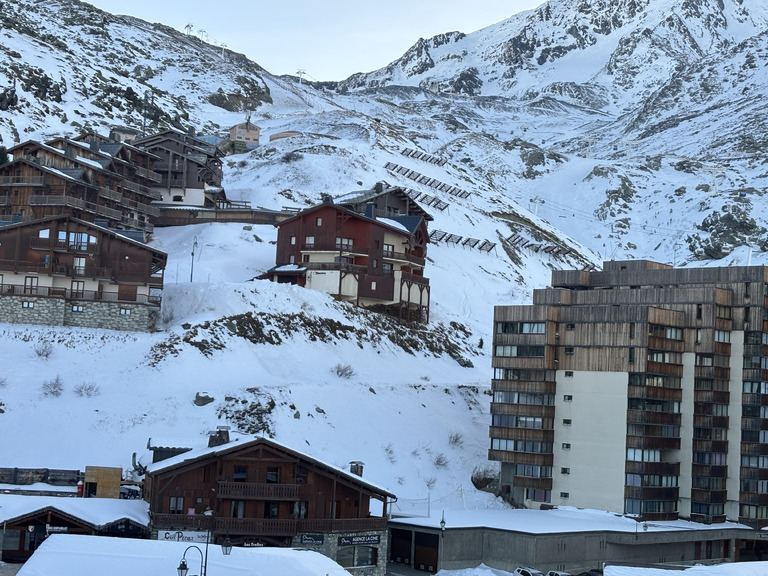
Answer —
95 181
356 257
261 493
81 264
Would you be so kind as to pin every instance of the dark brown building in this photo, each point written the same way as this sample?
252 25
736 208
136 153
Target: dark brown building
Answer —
64 271
260 493
359 257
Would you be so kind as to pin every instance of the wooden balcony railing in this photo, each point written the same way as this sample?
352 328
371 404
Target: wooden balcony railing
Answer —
78 295
22 180
266 526
257 491
56 200
148 174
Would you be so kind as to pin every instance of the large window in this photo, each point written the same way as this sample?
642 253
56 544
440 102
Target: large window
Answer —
344 243
520 351
176 505
354 556
670 332
507 397
520 327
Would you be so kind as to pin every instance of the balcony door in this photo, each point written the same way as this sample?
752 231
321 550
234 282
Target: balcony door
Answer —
30 285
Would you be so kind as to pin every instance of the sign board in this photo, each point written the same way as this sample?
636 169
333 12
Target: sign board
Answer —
359 540
193 537
54 529
312 539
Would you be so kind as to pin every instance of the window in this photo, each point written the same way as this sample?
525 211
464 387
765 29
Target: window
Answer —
566 446
386 268
569 350
292 259
565 495
125 311
237 509
176 505
240 473
373 285
78 308
293 240
300 510
273 475
344 243
78 288
566 421
565 470
722 312
318 221
570 326
520 327
30 285
271 509
722 336
27 304
309 242
354 556
520 351
631 355
643 455
305 258
538 495
698 311
567 398
508 397
78 265
569 373
389 250
632 330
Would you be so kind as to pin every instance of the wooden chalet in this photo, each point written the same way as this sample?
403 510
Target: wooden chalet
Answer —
29 520
190 168
359 257
62 270
80 179
261 493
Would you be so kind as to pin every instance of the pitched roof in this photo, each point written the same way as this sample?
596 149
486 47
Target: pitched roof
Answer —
96 512
236 445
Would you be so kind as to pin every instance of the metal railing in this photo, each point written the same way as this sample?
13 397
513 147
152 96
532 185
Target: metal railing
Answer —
78 295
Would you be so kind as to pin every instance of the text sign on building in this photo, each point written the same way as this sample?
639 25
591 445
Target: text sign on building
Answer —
182 536
312 539
357 540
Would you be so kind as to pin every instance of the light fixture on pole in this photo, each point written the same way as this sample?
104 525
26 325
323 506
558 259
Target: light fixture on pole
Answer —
183 569
192 269
442 525
442 538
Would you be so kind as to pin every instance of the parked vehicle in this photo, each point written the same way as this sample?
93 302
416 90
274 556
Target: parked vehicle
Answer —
557 573
527 572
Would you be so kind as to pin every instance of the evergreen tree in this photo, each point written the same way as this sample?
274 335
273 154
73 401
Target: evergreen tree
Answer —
3 155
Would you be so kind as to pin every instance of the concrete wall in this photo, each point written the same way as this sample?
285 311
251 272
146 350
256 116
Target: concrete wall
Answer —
60 312
597 411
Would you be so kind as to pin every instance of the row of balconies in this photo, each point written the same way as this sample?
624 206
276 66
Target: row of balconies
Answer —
266 526
354 250
78 295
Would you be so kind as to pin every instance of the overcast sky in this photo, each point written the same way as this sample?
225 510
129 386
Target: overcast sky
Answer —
329 40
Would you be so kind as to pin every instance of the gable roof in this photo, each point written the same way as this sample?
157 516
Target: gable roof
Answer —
95 512
235 445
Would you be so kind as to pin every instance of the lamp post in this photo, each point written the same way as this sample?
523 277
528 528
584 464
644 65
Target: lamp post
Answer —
183 569
442 539
192 269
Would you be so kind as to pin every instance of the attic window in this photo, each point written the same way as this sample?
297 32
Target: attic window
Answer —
178 198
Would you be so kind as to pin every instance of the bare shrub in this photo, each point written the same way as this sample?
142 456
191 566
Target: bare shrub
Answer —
43 349
430 481
343 371
53 387
456 439
3 381
87 389
390 452
440 460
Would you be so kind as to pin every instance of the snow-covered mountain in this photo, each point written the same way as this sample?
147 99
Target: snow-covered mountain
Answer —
575 132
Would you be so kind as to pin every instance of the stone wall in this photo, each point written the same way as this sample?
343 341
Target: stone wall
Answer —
330 547
29 309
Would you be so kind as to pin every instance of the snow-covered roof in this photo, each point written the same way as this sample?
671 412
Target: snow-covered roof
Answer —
94 511
730 569
77 555
237 444
557 520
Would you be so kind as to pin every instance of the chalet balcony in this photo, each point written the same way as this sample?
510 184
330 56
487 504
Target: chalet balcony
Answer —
77 295
416 279
109 194
346 267
22 180
141 207
103 211
148 174
56 200
135 224
37 243
403 257
22 266
254 491
266 526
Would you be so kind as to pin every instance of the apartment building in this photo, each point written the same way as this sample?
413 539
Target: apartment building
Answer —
640 389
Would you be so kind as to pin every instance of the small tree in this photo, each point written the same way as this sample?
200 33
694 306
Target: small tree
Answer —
3 155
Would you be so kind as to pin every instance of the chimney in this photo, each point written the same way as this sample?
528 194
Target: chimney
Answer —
370 210
218 437
327 199
69 152
94 144
191 131
379 188
356 467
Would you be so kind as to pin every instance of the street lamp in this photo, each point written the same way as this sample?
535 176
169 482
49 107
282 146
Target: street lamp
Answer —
192 269
442 538
183 569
